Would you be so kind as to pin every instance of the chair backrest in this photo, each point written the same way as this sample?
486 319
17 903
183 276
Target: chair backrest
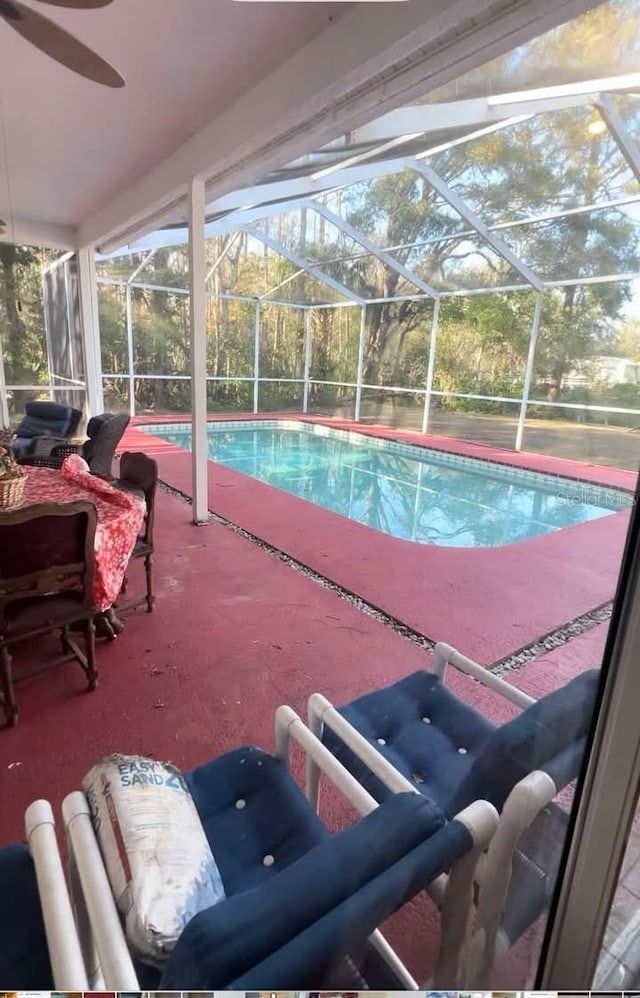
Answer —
46 550
293 928
52 419
141 472
548 735
105 432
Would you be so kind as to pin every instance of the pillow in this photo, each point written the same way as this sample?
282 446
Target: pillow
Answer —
158 861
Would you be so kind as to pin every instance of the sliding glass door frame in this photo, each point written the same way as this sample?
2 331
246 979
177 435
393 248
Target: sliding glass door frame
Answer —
607 799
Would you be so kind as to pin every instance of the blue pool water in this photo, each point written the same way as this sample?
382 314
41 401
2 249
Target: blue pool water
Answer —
415 493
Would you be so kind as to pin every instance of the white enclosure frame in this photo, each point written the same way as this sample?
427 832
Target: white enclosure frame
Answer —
303 186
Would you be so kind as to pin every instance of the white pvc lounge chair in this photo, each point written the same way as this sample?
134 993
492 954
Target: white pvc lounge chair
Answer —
418 736
319 900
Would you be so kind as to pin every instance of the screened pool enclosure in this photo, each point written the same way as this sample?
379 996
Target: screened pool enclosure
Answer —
455 265
476 256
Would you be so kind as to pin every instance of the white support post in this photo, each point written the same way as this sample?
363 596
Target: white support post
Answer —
431 365
363 327
256 361
528 374
90 322
47 327
308 319
132 382
198 317
4 401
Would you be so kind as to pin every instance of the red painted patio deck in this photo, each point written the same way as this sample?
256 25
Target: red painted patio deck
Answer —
236 632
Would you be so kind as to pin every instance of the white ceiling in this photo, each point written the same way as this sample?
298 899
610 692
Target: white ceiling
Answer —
70 144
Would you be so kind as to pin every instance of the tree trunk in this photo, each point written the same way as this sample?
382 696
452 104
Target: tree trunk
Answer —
10 295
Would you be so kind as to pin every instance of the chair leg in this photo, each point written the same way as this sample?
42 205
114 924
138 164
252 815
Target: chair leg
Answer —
67 647
8 694
90 641
148 567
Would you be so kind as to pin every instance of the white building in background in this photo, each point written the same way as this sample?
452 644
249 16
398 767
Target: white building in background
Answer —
603 370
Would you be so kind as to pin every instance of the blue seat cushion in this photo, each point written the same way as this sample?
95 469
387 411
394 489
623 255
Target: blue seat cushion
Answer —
452 753
22 446
419 726
273 819
534 871
288 932
549 735
251 808
24 957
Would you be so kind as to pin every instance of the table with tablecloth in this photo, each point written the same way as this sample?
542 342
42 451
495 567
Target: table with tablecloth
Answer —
119 519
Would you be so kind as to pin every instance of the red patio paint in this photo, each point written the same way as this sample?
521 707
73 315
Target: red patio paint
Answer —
235 633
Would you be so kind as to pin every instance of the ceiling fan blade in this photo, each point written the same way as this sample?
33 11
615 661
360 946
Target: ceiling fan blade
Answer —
78 4
53 40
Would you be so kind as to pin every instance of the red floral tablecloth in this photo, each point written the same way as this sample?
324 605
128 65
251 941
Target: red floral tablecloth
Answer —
120 517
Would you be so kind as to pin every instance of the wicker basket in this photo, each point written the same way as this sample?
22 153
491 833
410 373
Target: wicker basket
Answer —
12 491
12 480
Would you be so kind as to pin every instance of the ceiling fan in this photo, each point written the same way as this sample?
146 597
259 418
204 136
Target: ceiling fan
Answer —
50 38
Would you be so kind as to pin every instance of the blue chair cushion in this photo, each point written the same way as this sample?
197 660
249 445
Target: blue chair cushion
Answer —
24 957
549 735
288 932
251 808
52 412
452 753
22 446
44 419
419 726
41 425
534 870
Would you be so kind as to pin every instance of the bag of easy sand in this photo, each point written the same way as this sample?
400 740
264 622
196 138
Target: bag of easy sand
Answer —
156 854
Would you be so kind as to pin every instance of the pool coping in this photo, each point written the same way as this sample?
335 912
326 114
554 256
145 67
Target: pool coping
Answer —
489 602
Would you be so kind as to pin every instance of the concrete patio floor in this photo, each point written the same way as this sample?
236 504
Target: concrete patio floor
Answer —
237 631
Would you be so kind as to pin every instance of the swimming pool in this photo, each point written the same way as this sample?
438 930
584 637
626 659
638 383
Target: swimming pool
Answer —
415 493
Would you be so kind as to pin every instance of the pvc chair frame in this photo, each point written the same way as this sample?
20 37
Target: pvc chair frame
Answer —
106 954
493 873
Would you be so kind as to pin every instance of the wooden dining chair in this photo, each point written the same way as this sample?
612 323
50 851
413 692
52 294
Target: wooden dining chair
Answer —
139 474
46 584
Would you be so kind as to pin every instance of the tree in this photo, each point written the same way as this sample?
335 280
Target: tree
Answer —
21 314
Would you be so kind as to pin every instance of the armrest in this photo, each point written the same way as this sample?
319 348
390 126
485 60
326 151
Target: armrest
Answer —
64 449
65 953
105 926
324 906
288 726
43 446
522 806
445 654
